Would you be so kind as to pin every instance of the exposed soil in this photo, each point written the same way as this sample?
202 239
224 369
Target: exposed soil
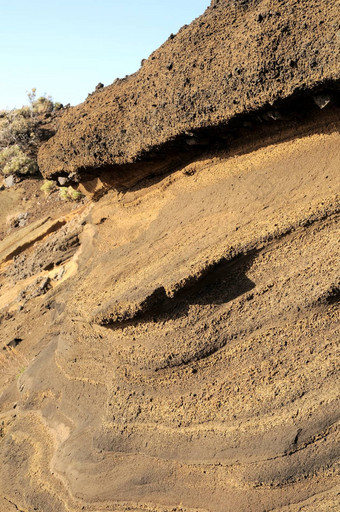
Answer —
27 198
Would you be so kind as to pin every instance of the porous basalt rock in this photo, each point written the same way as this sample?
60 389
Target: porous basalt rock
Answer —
237 57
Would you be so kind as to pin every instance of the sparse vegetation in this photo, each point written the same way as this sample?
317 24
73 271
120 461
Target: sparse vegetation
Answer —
63 193
48 187
21 371
74 195
14 161
20 135
70 194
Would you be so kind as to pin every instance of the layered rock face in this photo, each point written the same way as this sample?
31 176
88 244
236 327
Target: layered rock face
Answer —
187 359
237 57
182 356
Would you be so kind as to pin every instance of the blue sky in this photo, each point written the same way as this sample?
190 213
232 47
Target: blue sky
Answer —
64 48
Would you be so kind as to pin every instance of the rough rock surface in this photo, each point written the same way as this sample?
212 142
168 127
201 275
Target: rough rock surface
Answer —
237 57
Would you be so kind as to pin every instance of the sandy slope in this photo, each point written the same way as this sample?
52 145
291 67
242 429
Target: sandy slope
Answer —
188 358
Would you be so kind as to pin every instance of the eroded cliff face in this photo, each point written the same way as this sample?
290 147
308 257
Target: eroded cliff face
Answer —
175 344
186 358
237 57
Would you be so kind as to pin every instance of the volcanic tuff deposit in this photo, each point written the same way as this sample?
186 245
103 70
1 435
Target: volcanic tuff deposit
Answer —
170 345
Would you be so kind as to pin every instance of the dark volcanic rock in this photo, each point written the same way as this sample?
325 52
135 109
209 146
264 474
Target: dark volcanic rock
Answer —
237 57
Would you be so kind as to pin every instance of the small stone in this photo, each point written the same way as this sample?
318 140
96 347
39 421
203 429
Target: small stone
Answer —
44 284
21 220
274 114
73 176
322 100
192 141
62 180
61 273
10 181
